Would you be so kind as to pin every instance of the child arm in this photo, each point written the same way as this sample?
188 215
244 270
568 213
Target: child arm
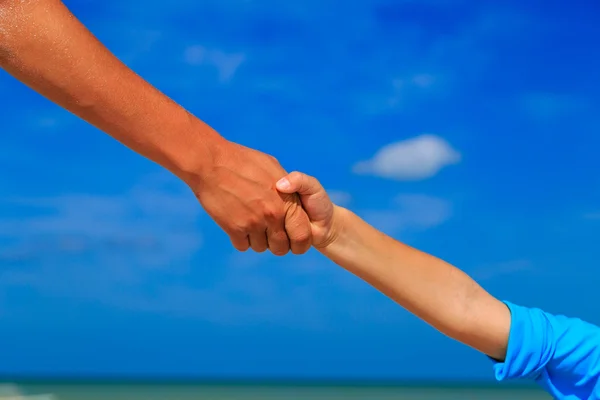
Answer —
562 354
433 290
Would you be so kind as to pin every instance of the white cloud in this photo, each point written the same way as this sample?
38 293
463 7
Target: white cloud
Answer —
412 212
152 225
550 106
418 158
399 93
109 249
340 198
132 251
422 211
252 288
136 42
423 80
491 271
592 215
226 64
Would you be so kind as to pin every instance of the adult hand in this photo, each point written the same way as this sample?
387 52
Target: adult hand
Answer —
43 45
238 191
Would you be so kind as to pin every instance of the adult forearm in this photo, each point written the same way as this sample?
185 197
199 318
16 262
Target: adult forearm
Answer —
428 287
43 45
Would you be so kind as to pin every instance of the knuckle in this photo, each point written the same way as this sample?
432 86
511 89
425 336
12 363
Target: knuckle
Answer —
295 175
238 229
297 217
251 223
299 251
292 209
280 253
302 238
254 224
240 247
279 243
270 207
274 213
278 239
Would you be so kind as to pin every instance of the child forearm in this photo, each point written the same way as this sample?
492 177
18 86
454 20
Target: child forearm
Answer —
428 287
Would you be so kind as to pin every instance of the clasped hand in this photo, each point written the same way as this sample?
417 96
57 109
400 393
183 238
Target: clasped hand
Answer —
237 189
260 206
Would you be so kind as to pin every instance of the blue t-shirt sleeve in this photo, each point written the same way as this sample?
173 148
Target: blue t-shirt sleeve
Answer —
562 354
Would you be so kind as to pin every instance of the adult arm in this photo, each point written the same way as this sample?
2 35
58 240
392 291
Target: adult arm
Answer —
43 45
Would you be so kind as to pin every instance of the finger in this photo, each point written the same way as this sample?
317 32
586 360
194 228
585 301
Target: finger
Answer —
297 226
240 242
277 237
297 182
279 244
258 241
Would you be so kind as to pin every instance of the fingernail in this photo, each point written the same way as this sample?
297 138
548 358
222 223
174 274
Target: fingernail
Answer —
283 184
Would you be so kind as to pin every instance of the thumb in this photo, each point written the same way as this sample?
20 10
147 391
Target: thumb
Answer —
300 183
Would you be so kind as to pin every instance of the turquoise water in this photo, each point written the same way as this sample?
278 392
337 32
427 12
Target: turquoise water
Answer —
156 391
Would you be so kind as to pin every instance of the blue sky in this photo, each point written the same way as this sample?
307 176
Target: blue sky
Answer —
468 129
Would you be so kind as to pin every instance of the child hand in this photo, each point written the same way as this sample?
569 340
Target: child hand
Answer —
316 203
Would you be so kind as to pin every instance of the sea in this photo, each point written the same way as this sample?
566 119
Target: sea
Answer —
254 391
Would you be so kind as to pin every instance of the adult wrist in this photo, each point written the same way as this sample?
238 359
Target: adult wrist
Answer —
194 159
